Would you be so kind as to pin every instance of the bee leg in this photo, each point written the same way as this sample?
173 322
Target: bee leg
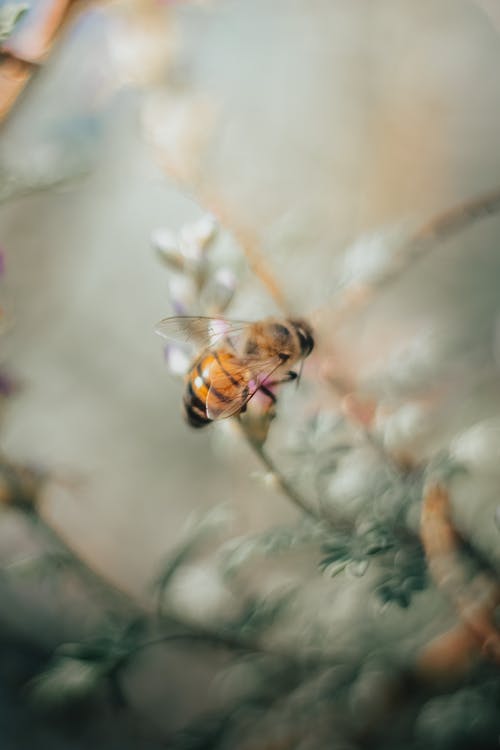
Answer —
288 377
268 393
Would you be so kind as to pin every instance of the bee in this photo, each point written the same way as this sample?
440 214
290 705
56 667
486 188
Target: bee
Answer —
238 360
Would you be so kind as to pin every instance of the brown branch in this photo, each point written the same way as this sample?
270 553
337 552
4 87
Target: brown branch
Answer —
14 75
448 656
249 245
439 228
29 46
444 225
474 599
282 483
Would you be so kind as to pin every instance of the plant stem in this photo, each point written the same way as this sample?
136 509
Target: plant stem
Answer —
441 227
283 483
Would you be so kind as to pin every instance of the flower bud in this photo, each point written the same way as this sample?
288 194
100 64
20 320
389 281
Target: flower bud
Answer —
198 593
478 448
166 245
370 258
196 238
183 294
177 359
220 291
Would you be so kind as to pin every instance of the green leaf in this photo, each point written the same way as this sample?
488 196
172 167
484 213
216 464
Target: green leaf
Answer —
354 551
10 15
406 576
67 680
198 531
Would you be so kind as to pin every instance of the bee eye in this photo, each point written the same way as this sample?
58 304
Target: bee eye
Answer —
305 338
280 332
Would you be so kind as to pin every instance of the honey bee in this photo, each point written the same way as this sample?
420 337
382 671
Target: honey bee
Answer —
238 360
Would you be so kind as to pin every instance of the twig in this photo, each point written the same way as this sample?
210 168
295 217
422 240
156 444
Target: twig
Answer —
250 247
476 600
283 483
450 655
440 228
446 224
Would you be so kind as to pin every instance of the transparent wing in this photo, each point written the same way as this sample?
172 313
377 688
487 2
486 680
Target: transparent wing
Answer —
202 331
250 376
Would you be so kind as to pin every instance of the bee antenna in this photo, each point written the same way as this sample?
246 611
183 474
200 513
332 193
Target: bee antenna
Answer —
300 373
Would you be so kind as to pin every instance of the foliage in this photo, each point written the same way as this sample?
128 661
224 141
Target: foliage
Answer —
296 671
10 15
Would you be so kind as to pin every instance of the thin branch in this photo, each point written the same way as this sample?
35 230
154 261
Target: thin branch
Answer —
439 228
250 246
474 600
444 225
285 486
448 656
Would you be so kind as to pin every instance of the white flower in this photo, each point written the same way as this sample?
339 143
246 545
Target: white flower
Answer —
415 360
195 238
198 593
354 478
403 427
178 359
167 246
183 293
479 447
219 291
370 258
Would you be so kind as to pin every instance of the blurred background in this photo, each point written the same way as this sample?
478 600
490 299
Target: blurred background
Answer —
321 136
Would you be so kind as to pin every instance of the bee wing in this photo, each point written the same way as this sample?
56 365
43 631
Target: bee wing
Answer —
203 331
252 375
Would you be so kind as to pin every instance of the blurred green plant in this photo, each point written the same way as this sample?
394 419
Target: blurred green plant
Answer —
306 683
10 15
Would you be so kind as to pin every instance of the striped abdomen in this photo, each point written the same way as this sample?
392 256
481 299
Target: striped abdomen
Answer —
216 386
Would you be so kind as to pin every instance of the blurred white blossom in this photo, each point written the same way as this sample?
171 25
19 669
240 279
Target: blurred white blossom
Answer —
178 125
413 362
478 448
354 479
183 293
403 428
196 237
142 42
370 258
166 244
199 593
220 290
177 358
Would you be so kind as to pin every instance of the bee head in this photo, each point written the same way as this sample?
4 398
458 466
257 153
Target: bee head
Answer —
305 334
